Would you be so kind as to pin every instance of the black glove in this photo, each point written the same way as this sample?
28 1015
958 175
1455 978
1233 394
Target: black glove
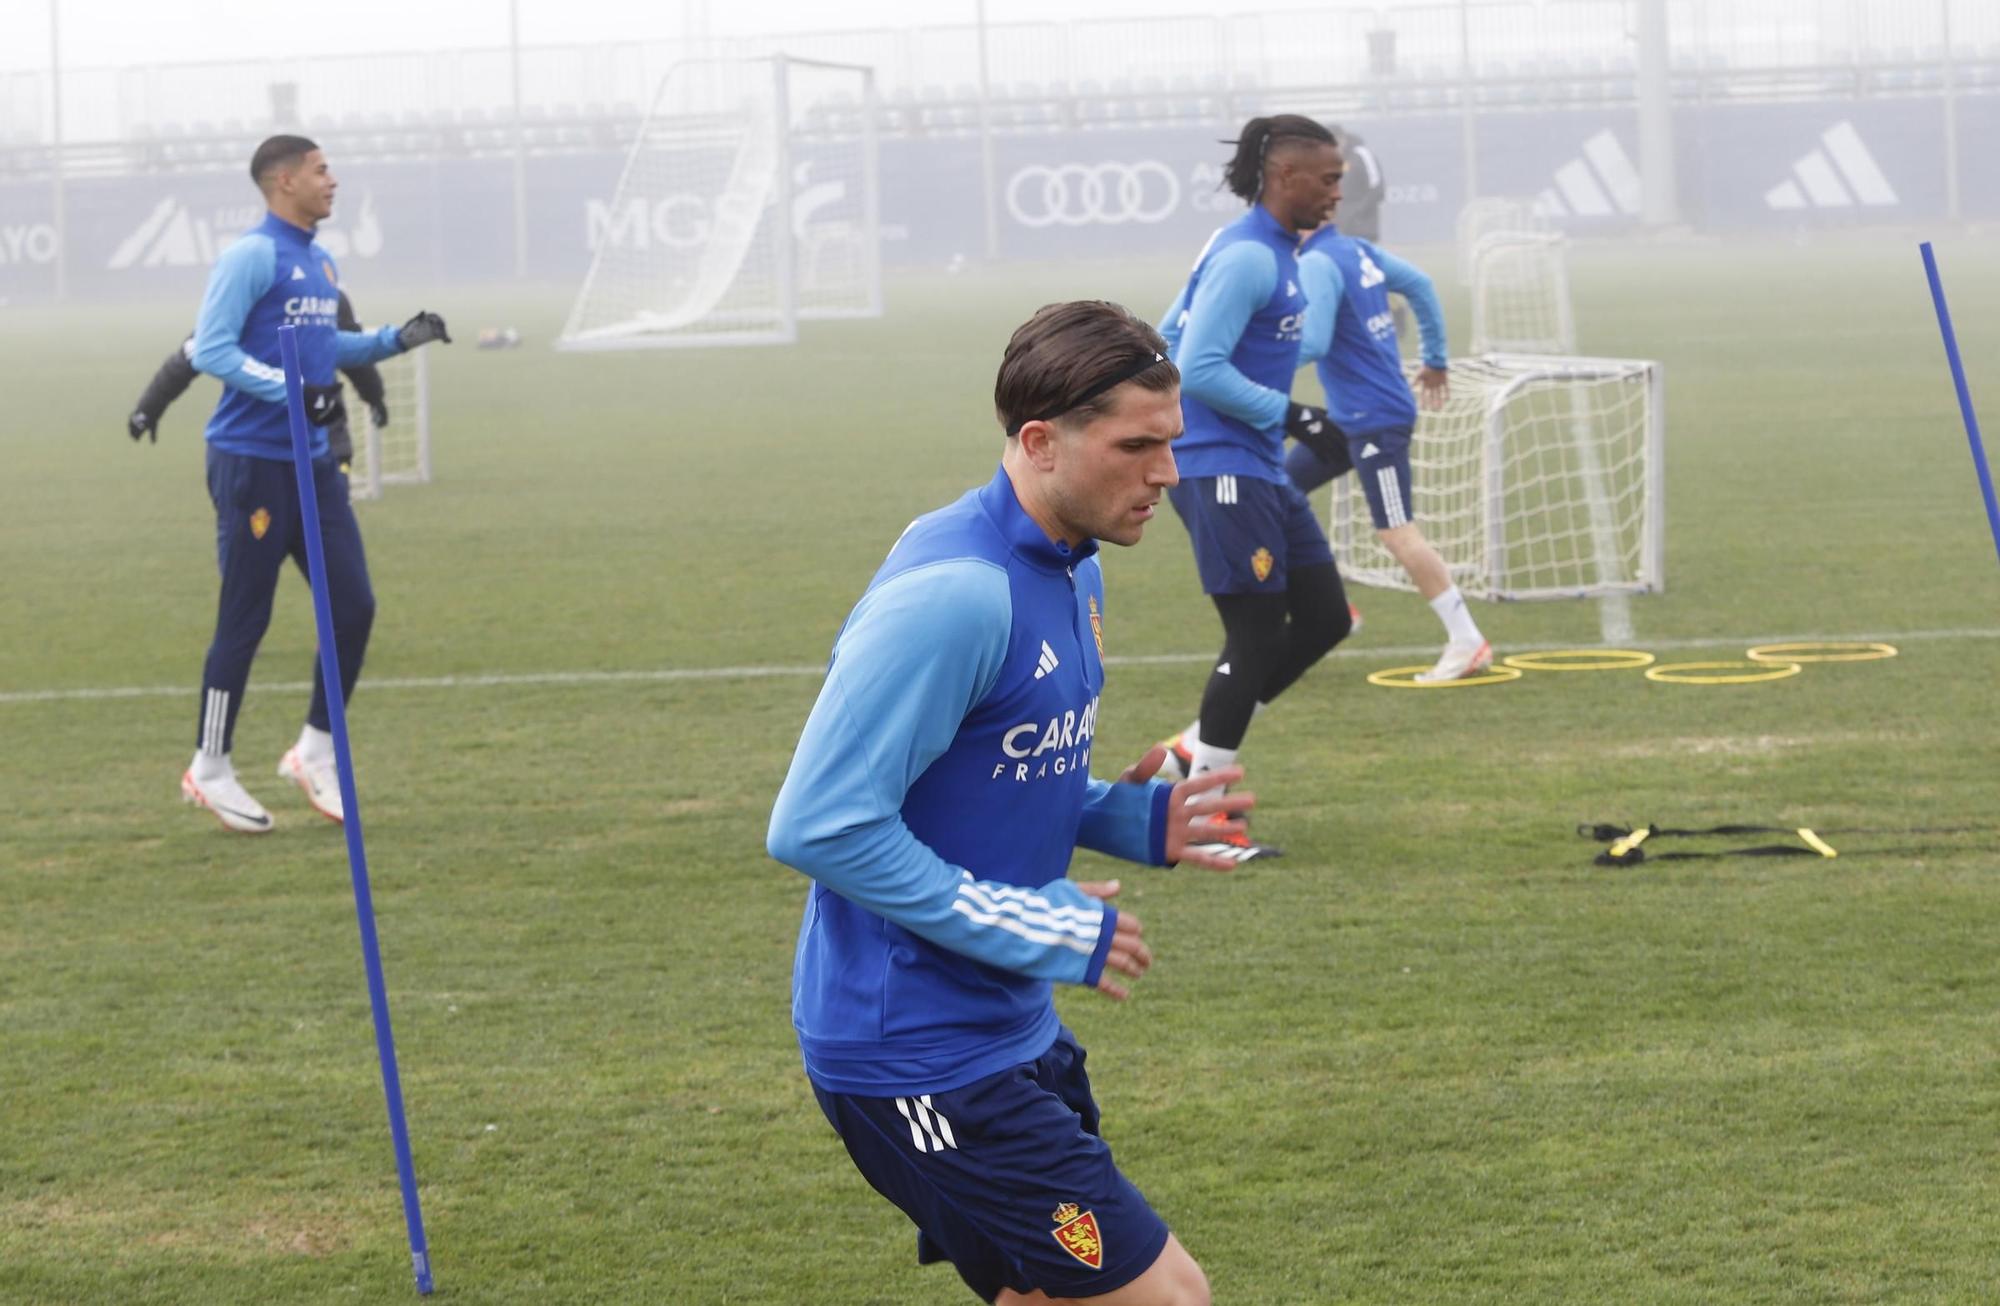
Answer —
421 330
141 423
322 404
378 413
1312 428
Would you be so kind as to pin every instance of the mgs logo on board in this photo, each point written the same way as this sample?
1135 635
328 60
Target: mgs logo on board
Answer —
685 220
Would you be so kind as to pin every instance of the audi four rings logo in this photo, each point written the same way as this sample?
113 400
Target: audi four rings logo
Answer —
1079 194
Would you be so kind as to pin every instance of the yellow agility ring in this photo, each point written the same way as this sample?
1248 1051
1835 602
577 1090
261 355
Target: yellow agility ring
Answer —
1823 651
1581 659
1405 678
1671 673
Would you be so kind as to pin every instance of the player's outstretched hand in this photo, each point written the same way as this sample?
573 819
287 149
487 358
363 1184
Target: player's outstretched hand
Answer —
421 330
378 413
141 423
1192 813
1129 955
1433 385
1146 767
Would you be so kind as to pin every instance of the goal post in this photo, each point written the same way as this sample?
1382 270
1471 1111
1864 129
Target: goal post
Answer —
400 452
749 200
1540 478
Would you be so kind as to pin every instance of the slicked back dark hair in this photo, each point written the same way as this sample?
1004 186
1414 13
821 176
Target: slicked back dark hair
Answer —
1245 174
1068 360
276 153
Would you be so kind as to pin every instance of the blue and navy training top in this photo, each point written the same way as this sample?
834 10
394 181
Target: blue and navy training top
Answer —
1351 333
275 275
1234 331
936 797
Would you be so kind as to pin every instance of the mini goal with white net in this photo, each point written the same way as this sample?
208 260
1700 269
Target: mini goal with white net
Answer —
1540 478
749 200
399 453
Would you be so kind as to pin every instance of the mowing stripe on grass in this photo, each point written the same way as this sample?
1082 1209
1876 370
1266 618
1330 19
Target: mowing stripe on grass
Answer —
670 674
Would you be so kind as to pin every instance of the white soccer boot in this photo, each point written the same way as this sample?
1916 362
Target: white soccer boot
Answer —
317 779
225 796
1458 662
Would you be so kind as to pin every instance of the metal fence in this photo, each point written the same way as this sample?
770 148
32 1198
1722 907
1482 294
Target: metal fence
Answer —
1428 52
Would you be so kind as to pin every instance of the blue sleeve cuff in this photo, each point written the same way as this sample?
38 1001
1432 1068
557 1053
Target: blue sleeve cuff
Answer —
1156 843
352 348
1095 970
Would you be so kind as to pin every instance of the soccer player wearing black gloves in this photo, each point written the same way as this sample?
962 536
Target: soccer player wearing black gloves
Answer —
1261 553
276 276
178 373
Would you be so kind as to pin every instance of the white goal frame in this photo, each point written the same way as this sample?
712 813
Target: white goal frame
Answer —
384 457
777 322
1478 557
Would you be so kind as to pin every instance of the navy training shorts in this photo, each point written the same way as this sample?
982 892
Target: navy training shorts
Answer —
1007 1178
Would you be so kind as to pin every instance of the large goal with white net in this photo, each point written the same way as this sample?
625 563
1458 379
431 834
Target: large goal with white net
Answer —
1491 215
1520 294
749 200
400 452
1540 478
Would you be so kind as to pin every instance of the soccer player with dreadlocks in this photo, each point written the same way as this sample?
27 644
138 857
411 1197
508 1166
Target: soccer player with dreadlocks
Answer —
1235 332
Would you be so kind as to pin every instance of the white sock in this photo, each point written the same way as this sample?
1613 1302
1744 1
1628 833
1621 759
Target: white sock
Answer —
315 745
211 766
1459 626
1207 757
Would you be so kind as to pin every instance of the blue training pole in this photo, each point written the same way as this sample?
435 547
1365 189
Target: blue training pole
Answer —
357 856
1964 395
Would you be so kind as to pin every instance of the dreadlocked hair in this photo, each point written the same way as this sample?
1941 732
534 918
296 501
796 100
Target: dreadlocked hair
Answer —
1244 177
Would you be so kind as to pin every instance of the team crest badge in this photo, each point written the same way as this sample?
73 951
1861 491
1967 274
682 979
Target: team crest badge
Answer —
260 521
1097 627
1077 1232
1261 563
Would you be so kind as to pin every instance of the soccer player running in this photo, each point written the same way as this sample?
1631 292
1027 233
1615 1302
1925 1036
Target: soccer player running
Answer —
938 792
1351 334
274 276
178 372
1262 555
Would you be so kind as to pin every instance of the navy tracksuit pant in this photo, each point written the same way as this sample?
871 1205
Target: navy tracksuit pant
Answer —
257 527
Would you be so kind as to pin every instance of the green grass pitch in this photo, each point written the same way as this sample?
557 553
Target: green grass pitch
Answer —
1432 1055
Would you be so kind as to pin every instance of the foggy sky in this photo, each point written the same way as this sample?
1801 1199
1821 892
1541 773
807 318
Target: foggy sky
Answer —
119 33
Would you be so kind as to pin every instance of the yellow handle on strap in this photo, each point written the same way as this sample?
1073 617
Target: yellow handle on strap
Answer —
1817 844
1631 841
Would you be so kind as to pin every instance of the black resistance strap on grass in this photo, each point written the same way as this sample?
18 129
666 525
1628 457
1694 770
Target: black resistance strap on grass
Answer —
1627 842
